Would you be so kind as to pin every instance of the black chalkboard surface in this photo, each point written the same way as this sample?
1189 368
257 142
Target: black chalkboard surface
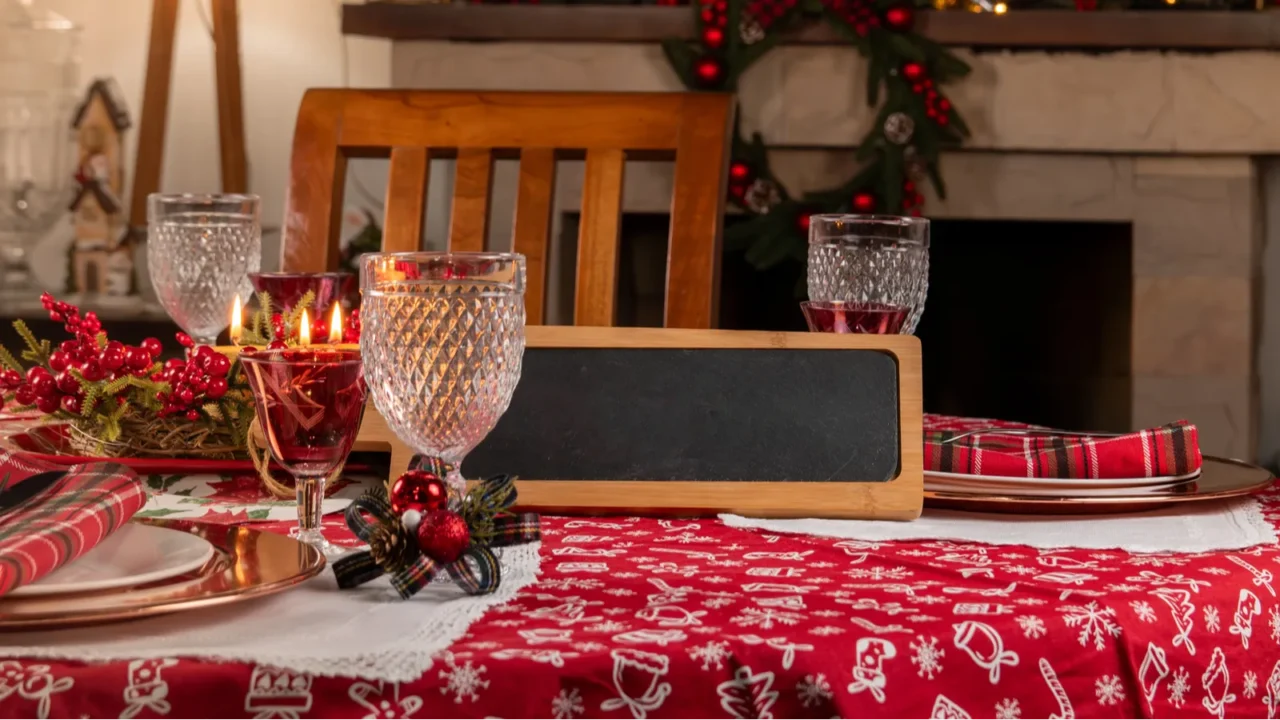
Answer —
706 414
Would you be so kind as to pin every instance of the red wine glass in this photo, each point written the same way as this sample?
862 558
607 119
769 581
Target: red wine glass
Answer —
310 402
874 265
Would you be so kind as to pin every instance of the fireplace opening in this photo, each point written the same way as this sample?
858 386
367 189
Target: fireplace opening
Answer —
1025 320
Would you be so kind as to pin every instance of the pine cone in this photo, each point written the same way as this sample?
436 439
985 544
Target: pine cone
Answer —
391 547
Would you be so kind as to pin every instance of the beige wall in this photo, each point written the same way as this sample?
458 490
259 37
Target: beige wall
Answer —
286 46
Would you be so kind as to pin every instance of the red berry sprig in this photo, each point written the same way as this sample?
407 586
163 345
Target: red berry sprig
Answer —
88 356
858 14
936 105
200 379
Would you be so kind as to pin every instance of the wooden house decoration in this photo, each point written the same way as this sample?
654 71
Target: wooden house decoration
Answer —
102 251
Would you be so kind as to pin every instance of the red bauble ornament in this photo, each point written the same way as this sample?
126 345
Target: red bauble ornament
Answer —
913 71
864 202
713 38
900 18
443 536
419 490
739 173
708 71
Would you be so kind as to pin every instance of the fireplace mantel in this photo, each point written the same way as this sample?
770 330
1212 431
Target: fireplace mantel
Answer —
1032 29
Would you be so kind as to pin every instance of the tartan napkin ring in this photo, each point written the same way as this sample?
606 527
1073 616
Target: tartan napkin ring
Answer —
412 546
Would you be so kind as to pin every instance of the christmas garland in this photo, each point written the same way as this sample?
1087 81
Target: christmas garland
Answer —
913 126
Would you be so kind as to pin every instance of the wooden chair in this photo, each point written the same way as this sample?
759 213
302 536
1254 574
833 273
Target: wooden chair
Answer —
538 128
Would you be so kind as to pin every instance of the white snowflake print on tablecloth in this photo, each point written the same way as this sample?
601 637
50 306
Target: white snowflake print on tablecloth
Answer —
567 705
620 592
1250 684
1032 626
1008 709
1109 689
717 602
589 647
714 653
814 690
1023 570
716 579
1211 622
1123 587
1215 571
1274 623
928 656
879 573
1156 561
825 630
765 618
607 627
1095 623
1030 601
748 694
1143 610
462 681
1178 687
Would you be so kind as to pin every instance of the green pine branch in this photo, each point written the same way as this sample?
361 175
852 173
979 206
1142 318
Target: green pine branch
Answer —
8 360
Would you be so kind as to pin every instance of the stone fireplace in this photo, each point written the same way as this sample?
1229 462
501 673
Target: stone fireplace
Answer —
1153 150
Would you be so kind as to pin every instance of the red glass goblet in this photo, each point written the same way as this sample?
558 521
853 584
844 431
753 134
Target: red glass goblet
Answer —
287 288
839 317
309 402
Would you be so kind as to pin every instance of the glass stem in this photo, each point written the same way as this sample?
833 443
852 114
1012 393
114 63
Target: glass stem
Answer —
310 491
457 484
211 340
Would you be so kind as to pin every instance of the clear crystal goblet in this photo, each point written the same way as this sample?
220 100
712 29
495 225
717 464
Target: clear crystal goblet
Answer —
443 343
200 251
872 264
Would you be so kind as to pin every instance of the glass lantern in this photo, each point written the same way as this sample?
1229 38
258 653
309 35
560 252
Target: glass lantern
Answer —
39 81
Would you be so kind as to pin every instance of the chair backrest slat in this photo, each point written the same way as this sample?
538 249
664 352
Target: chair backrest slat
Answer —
412 125
472 188
406 199
595 302
534 198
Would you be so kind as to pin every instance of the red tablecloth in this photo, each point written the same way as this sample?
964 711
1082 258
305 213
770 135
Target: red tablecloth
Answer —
639 618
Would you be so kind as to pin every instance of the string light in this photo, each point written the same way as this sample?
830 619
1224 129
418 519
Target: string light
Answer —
1000 8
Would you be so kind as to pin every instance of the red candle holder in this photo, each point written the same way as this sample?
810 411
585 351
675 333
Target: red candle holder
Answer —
840 317
287 288
310 402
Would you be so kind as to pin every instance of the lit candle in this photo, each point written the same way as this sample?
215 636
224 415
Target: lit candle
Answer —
335 325
237 322
304 329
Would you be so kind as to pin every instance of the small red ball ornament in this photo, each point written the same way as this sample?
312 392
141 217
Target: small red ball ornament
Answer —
739 173
713 38
913 71
443 536
418 490
900 18
709 71
864 202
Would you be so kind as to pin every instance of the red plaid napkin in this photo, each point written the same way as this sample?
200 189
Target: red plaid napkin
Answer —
62 522
1171 449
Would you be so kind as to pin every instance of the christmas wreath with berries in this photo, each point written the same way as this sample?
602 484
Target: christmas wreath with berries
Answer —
914 124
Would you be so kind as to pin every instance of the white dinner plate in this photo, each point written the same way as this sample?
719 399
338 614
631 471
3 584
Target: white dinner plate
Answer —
994 481
1074 492
133 555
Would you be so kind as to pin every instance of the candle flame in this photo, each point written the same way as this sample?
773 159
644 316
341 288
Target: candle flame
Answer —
335 325
237 322
304 329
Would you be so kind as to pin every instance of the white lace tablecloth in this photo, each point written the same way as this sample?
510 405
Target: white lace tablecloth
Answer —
366 632
1189 527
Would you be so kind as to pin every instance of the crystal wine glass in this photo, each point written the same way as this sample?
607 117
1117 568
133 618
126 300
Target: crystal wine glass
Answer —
443 342
875 266
200 249
309 403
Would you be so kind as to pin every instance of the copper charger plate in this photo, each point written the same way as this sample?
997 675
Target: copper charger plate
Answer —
247 564
1219 478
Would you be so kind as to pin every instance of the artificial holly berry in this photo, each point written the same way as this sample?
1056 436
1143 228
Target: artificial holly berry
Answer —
864 202
277 345
24 395
42 384
712 37
803 220
10 379
193 415
48 404
152 346
418 490
740 172
900 18
71 404
709 72
218 365
92 371
217 388
913 71
185 340
443 536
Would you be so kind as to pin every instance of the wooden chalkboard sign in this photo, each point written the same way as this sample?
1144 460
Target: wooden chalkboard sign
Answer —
680 422
620 420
